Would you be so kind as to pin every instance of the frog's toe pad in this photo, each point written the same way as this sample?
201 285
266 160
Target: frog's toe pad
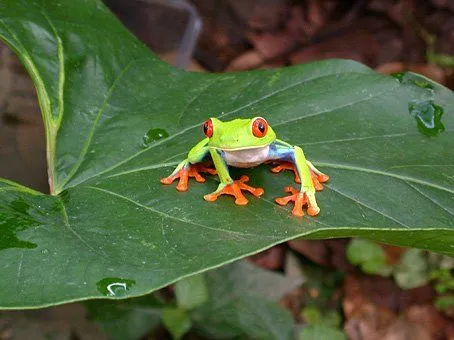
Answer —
322 178
300 199
234 189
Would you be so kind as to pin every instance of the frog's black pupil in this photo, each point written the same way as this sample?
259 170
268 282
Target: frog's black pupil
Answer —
205 128
261 127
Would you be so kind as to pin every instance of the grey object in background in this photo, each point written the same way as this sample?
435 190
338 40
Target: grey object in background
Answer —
191 34
170 28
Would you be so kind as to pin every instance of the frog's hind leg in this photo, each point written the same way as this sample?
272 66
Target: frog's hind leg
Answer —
321 177
283 156
294 159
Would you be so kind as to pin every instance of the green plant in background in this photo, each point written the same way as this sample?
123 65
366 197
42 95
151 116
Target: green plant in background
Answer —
320 332
443 276
369 256
415 267
322 312
238 300
411 271
109 229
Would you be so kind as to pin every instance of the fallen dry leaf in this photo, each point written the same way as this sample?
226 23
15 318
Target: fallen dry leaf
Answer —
428 318
272 45
246 61
358 45
315 250
272 258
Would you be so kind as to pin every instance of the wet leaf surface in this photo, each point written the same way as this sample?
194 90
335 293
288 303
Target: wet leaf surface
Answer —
101 92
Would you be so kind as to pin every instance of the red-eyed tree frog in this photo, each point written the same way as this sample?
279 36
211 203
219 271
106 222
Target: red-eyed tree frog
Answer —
246 143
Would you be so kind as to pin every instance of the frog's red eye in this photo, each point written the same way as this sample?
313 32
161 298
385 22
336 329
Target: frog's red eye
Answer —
208 128
259 127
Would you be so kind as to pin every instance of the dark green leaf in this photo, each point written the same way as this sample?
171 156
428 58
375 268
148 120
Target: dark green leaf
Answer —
238 308
127 319
320 332
117 120
412 270
191 292
369 255
444 302
176 320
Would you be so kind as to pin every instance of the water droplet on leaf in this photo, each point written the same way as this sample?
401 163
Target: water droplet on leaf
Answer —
15 217
409 78
153 135
114 286
428 117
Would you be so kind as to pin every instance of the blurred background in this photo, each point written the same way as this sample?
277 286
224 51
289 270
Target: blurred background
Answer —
238 35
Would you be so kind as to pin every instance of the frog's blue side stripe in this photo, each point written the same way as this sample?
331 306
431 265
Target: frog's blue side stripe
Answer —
282 152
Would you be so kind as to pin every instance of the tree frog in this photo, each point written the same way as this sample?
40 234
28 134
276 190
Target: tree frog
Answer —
246 143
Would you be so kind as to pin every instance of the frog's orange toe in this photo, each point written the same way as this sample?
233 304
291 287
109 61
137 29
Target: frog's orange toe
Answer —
234 189
317 179
322 178
300 200
167 180
185 174
287 166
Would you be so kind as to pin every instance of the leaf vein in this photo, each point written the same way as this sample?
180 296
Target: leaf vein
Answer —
171 216
367 206
19 269
204 89
68 226
61 71
379 172
430 198
91 133
403 134
334 109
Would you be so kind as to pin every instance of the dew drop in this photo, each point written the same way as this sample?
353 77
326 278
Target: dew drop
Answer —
410 78
114 286
428 117
153 135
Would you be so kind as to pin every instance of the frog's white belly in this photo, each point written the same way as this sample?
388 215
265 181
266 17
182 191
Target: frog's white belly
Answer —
247 158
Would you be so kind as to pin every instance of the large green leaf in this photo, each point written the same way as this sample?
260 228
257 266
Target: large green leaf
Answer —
111 229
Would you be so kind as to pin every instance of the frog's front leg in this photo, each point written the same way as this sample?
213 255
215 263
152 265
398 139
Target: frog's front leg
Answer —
306 194
189 167
228 186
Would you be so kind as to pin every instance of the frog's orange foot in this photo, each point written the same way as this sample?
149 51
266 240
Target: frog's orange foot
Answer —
234 189
287 166
300 200
317 179
185 173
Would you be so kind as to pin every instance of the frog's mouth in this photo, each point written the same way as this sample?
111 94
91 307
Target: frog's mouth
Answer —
230 149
